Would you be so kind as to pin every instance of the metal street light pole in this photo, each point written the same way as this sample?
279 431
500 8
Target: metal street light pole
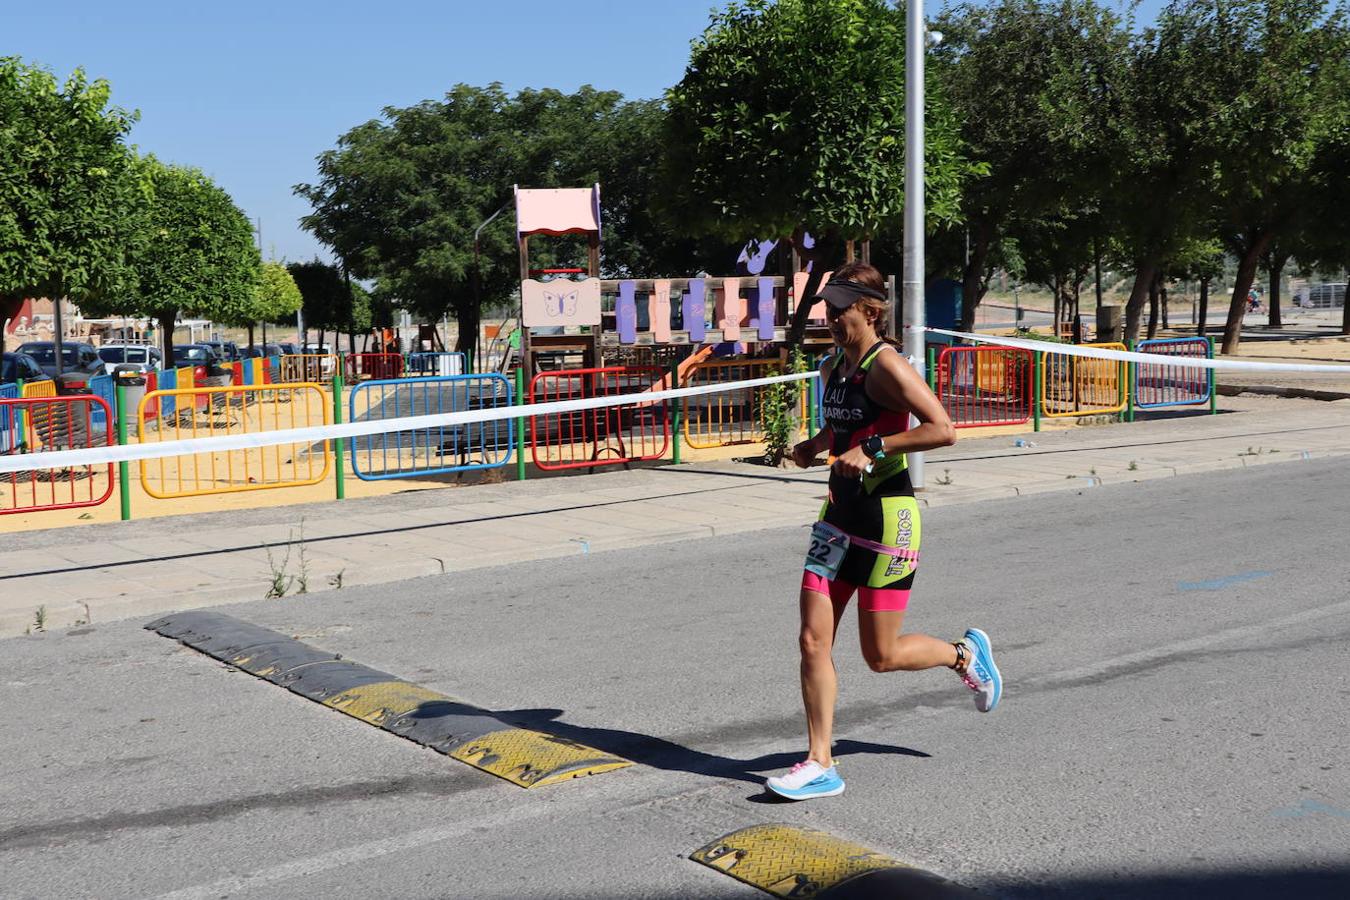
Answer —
912 292
478 275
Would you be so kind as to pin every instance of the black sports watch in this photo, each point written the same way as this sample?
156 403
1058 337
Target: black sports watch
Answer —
874 447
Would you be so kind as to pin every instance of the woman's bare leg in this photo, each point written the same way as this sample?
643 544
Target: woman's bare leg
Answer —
820 683
887 650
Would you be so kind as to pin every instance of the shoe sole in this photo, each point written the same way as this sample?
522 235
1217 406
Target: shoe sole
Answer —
832 792
987 648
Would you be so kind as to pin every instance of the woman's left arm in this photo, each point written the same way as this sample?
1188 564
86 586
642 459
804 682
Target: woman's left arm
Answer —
898 386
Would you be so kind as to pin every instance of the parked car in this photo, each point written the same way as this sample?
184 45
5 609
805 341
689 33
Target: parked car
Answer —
262 350
142 357
288 349
79 363
228 351
17 366
203 360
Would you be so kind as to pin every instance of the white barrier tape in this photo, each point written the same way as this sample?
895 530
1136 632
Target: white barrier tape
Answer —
60 459
1195 362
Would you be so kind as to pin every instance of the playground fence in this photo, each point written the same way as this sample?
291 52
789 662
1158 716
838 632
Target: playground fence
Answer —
372 366
1082 386
430 451
306 368
981 386
231 410
734 416
425 363
1158 385
598 437
42 422
8 415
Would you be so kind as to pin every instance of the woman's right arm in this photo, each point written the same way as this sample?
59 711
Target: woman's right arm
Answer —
804 453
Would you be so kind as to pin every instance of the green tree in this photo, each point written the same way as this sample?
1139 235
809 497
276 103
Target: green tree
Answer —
331 301
70 192
1253 90
400 198
1034 85
790 119
198 257
277 297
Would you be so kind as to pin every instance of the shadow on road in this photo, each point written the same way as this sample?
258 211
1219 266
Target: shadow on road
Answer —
658 753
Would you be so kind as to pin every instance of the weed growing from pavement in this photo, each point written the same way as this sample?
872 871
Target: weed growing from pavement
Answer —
39 621
88 616
946 477
335 581
282 579
281 582
1134 466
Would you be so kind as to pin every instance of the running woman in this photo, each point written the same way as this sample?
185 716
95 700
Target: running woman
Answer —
867 537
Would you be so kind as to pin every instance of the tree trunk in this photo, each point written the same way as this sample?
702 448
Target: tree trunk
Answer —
1134 307
972 279
1153 308
1162 300
466 315
1204 306
166 322
1059 303
1246 275
1276 270
250 335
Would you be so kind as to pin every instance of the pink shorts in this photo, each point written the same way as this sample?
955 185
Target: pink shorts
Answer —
869 599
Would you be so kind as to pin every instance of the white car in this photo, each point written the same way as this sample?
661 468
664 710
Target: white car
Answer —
144 357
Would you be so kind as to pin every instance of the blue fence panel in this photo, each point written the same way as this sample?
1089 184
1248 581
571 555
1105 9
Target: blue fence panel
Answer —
437 450
168 381
102 386
439 364
9 435
1158 385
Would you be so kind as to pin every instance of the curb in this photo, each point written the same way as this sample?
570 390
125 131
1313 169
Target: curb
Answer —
1288 393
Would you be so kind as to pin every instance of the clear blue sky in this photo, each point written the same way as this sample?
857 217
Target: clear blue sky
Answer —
252 91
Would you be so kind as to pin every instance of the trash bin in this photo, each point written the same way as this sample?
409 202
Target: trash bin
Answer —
132 379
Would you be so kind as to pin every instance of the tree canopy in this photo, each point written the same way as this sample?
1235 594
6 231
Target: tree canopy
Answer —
198 257
71 193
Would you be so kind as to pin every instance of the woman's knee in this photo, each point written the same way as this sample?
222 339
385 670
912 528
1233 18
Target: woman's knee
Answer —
814 644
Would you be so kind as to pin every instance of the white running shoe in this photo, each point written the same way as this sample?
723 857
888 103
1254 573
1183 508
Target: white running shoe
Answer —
981 675
806 780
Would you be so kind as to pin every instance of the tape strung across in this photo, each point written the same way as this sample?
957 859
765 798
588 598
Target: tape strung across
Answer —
99 455
1230 365
57 459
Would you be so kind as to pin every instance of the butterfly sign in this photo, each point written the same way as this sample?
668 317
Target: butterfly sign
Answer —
560 303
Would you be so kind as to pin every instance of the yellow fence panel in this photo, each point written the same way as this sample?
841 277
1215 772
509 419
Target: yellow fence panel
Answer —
731 417
318 368
39 389
238 409
1079 386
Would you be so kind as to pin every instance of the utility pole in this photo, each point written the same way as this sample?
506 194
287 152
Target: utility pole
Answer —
916 39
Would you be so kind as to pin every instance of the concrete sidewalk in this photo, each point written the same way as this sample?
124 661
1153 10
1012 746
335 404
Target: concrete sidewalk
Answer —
109 571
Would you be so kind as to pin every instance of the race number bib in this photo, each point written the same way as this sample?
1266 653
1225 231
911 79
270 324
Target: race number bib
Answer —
826 554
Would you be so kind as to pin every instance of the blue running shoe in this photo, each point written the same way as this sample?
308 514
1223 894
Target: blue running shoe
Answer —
807 780
981 675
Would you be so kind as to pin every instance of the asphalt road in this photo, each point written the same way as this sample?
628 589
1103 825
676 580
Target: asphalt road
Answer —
1174 722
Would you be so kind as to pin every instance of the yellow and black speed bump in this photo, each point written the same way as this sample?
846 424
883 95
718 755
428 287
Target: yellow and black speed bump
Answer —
467 733
788 861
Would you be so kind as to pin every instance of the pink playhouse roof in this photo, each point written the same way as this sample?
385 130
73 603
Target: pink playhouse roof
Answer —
557 211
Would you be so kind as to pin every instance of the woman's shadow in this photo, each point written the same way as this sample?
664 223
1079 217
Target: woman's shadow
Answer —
659 753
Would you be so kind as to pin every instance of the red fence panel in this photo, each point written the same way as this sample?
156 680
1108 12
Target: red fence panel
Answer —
38 424
373 366
981 386
598 437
